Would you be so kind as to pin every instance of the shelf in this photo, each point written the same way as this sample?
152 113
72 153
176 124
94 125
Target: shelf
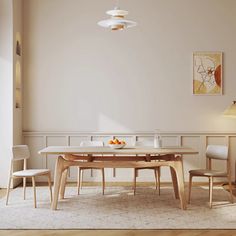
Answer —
18 94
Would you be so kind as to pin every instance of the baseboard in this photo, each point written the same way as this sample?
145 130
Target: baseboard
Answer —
126 184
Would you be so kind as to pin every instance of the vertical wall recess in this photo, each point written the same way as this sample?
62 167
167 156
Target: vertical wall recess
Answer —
17 77
18 92
18 73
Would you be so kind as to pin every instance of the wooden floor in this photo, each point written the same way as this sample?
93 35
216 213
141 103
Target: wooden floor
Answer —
118 232
115 232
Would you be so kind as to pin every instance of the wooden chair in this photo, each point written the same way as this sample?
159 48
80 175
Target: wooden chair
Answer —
81 169
157 170
217 152
21 152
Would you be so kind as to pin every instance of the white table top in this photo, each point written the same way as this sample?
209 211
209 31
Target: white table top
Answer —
128 150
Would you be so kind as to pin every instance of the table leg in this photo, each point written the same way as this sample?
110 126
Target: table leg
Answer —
63 183
57 181
174 181
180 179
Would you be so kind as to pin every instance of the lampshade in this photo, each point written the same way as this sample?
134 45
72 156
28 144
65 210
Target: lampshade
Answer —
231 110
117 21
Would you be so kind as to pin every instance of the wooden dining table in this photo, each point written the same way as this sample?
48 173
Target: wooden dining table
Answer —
128 157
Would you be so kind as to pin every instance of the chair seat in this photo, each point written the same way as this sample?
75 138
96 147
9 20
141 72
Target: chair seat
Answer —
205 172
31 172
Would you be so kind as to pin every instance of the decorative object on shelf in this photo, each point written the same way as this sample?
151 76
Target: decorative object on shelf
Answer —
157 139
117 21
18 93
18 48
231 110
207 73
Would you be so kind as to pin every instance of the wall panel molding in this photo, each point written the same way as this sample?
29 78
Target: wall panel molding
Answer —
197 140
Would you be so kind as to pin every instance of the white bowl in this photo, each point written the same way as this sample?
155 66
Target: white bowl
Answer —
116 146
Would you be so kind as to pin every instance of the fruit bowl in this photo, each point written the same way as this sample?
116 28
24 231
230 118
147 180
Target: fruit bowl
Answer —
116 143
117 146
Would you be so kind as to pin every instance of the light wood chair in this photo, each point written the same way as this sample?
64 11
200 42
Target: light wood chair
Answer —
81 169
21 152
217 152
157 170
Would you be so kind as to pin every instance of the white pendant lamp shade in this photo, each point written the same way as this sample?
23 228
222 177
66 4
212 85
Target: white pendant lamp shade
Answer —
117 21
117 12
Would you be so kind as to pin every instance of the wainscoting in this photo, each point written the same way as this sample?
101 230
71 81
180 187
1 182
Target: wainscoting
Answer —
196 140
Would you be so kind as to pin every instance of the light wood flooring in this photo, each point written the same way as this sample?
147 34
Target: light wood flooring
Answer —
116 232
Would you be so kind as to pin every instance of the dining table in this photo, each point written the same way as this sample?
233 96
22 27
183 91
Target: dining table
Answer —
127 157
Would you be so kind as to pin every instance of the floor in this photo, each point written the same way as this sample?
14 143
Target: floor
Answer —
116 232
119 233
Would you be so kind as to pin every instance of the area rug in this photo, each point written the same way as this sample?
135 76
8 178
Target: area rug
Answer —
117 209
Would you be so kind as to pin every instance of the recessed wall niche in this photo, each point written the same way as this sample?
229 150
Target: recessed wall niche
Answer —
18 85
18 80
18 44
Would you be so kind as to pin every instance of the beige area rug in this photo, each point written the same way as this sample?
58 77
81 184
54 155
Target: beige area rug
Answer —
118 209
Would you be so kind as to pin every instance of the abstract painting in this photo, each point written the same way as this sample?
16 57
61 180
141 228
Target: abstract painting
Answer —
207 73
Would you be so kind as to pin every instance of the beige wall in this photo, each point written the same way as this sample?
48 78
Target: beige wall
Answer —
6 88
10 117
17 70
79 76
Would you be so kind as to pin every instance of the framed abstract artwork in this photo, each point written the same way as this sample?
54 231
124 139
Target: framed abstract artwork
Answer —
207 73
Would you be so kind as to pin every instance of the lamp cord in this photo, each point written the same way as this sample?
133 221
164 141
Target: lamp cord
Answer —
117 4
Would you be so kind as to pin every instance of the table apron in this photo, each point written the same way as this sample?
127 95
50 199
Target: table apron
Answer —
91 158
118 164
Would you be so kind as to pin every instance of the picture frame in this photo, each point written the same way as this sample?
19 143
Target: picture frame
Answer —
207 73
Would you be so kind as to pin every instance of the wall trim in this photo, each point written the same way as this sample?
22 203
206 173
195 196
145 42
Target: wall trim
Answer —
199 140
145 133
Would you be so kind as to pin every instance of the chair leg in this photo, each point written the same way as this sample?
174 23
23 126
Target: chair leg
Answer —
159 180
135 175
8 189
103 181
24 187
82 179
210 190
231 190
34 188
190 188
79 180
155 173
50 186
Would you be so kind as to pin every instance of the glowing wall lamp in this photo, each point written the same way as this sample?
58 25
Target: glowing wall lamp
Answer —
231 110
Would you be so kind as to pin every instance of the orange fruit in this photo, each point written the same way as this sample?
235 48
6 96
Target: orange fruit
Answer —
116 141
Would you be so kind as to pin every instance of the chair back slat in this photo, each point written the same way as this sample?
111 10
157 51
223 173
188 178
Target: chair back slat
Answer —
92 144
219 152
20 152
146 143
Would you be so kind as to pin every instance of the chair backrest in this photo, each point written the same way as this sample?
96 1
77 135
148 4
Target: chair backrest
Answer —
20 152
219 152
146 143
92 144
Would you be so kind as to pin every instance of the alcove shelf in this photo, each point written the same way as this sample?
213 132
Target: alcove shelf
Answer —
18 91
